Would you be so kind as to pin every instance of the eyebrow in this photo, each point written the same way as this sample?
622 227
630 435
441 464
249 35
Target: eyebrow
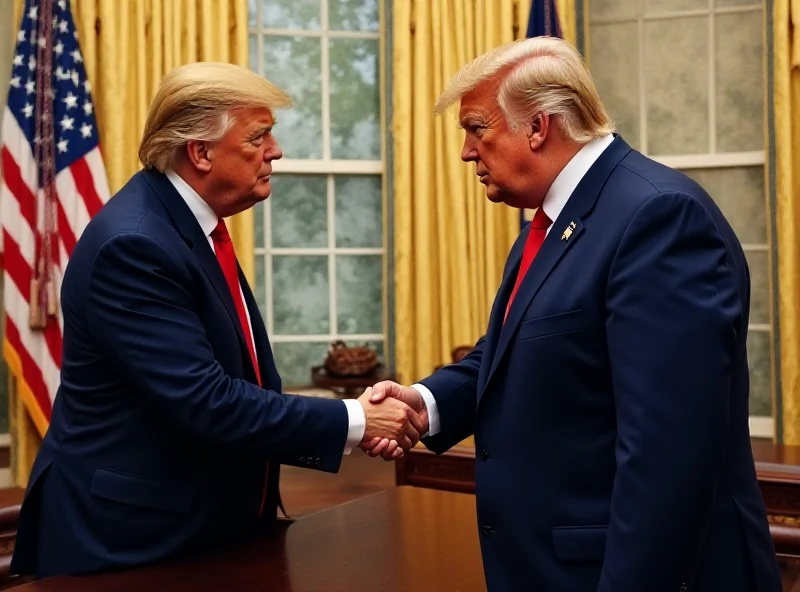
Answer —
260 131
470 120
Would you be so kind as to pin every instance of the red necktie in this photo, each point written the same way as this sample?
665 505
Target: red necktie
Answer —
538 230
223 247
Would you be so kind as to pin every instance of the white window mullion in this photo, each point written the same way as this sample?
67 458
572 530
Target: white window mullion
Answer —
332 257
326 95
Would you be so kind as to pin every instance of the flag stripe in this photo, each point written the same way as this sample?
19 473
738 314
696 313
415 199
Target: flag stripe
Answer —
21 191
65 230
30 370
21 233
84 180
94 160
20 274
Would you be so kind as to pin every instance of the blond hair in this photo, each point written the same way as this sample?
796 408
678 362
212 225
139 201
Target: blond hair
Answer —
540 75
198 102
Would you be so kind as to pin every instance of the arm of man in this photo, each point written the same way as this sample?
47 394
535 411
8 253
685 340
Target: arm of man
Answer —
142 311
674 308
451 401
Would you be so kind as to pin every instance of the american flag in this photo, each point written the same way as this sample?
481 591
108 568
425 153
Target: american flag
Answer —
53 183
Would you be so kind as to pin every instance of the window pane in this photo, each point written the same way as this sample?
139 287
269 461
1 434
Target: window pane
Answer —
300 295
353 15
676 66
615 68
355 99
758 262
295 360
606 9
299 215
294 14
261 286
258 223
759 358
739 193
253 49
359 211
359 293
740 93
251 13
293 63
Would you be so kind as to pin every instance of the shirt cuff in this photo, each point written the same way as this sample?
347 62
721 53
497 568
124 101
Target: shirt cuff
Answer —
357 424
433 410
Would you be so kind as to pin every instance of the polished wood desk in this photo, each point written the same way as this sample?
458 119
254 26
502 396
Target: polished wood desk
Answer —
398 540
777 468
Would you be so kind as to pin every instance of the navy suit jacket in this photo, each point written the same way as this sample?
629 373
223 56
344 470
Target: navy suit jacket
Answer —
160 436
610 412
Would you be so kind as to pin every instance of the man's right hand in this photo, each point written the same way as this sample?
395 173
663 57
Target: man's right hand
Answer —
390 420
384 392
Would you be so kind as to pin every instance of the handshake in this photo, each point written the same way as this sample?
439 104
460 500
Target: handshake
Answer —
396 419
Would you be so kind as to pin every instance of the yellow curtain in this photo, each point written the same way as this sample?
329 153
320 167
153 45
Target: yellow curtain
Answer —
128 46
450 241
786 129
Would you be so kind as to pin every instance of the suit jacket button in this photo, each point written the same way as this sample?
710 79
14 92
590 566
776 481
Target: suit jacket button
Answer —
487 530
484 454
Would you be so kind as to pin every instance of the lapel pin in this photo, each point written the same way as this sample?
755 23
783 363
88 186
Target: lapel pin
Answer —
568 231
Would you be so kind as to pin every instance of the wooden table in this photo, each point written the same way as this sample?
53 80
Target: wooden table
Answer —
402 539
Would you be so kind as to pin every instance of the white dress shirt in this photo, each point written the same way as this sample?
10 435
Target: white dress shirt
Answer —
208 220
554 201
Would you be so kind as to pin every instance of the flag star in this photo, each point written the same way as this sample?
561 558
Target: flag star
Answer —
32 63
19 59
75 33
76 55
30 87
15 82
63 26
67 123
59 48
55 21
59 72
70 100
62 146
86 130
62 4
21 36
42 41
27 110
87 86
87 108
33 13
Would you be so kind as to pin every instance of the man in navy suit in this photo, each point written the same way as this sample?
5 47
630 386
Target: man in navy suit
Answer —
609 396
169 426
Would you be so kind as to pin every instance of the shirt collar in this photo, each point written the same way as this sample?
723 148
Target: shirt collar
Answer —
205 216
569 177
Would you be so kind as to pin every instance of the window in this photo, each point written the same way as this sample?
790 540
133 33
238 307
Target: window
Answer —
320 235
683 80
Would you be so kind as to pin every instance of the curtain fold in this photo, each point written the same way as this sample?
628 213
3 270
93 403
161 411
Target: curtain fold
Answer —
450 241
128 46
786 129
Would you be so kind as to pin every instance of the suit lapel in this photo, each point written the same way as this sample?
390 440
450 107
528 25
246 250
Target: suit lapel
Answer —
550 253
193 235
266 362
566 231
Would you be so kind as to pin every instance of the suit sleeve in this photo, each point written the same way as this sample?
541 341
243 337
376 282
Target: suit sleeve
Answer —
674 310
142 312
455 388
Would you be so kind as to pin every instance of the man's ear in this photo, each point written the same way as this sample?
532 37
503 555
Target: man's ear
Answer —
538 128
199 154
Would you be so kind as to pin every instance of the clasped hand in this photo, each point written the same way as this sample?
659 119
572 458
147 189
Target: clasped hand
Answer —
396 418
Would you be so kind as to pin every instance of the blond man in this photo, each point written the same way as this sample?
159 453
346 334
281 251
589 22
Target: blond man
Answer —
609 396
170 426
